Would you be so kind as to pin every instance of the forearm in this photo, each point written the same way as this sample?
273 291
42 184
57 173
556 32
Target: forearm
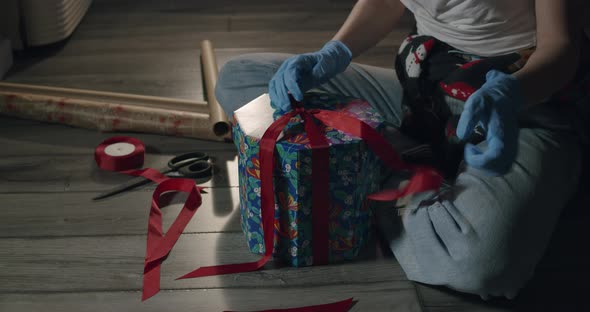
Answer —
547 71
368 23
559 38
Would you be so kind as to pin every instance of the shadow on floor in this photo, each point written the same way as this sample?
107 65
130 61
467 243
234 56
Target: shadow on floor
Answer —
31 56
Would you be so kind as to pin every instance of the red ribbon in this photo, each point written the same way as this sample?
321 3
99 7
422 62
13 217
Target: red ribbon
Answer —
158 245
320 155
267 198
424 179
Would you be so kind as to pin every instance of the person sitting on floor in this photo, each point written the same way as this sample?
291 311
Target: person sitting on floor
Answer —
502 81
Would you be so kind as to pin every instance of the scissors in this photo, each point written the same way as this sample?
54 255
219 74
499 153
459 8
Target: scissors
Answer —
190 165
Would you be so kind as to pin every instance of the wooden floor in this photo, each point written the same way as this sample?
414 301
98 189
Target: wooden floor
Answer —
60 251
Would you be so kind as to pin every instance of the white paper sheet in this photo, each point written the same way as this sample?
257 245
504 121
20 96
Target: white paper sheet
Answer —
255 117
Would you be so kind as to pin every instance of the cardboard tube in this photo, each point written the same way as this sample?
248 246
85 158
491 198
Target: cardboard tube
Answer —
104 116
107 97
217 116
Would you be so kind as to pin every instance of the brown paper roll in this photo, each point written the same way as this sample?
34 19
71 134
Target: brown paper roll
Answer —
217 116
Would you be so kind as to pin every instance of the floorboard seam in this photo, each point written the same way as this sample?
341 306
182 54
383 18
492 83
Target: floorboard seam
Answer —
109 235
198 288
99 191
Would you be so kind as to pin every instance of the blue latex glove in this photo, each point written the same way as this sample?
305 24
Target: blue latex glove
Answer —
302 72
495 105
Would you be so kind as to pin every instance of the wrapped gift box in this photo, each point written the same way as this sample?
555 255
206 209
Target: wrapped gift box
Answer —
354 173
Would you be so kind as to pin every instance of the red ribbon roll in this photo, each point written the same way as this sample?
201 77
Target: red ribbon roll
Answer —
113 154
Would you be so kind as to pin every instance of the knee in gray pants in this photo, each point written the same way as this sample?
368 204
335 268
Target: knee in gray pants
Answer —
437 246
246 77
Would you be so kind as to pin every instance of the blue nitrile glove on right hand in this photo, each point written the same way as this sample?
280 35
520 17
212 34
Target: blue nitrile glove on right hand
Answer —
302 72
495 105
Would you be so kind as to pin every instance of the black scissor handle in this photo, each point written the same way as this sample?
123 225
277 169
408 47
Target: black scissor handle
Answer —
198 169
184 160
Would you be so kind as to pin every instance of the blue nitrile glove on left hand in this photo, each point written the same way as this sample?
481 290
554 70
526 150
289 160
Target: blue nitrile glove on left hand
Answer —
302 72
495 105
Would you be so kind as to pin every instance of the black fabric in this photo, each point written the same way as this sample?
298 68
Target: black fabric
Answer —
429 71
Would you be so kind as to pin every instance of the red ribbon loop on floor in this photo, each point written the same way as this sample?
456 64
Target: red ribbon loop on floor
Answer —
158 245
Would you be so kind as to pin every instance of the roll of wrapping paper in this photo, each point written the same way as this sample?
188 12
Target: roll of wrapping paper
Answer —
217 116
106 116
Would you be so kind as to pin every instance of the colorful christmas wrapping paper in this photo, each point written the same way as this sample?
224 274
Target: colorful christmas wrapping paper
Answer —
354 173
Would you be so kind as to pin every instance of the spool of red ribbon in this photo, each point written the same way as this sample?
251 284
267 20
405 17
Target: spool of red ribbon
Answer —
120 153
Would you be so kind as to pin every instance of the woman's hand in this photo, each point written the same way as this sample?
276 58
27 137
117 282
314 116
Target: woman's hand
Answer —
302 72
368 23
495 105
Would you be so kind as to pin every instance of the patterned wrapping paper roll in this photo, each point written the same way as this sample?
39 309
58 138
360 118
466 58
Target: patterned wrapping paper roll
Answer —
92 114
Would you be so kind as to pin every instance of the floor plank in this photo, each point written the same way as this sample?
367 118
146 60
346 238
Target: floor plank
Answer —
377 297
153 49
75 214
440 299
173 73
19 137
75 173
115 263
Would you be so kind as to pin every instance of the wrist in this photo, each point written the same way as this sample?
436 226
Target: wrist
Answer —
341 50
517 93
510 87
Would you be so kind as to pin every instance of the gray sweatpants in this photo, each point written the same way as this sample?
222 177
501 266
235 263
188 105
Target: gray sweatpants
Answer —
487 235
